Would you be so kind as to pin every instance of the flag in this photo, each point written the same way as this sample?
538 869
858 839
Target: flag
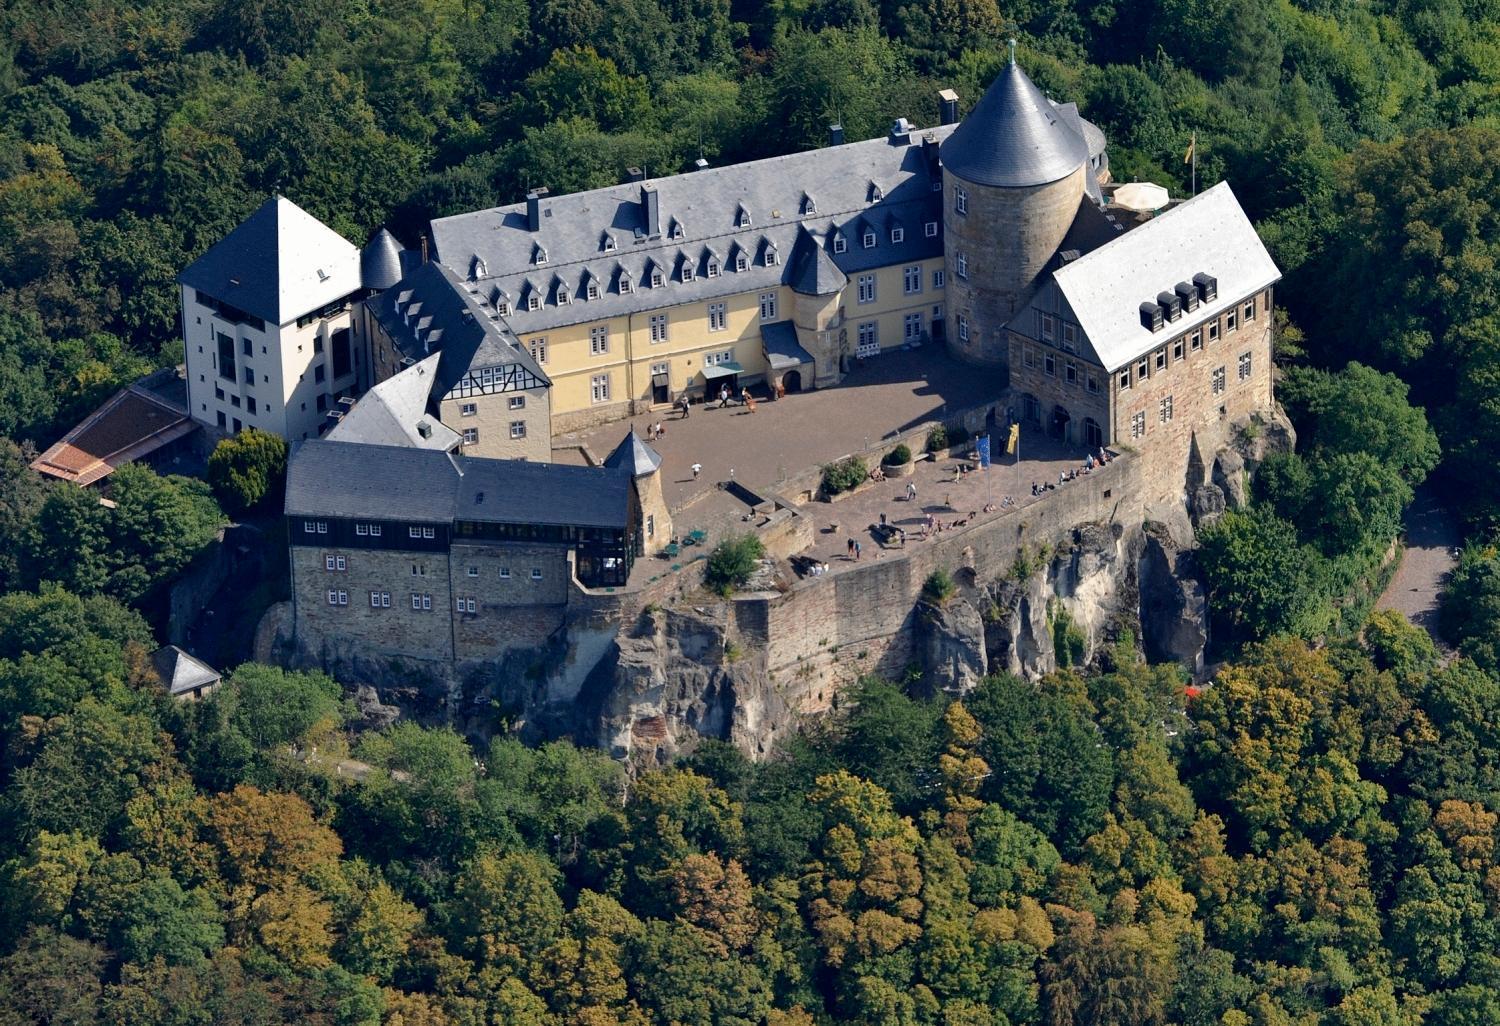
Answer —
1192 148
1014 440
984 452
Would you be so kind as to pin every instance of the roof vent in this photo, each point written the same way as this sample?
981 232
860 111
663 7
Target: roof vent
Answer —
1169 302
701 164
1208 286
835 135
346 400
1151 318
322 274
424 429
1187 295
901 130
634 174
534 208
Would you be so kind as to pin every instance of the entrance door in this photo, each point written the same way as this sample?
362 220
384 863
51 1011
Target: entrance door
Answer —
661 392
792 381
1093 435
1060 420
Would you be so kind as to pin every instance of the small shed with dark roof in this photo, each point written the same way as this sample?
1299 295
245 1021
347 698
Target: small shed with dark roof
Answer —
183 676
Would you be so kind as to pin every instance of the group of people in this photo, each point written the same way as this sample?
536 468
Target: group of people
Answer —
1093 462
655 431
746 399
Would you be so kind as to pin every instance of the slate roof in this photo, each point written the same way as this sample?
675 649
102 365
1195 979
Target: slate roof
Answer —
1015 137
813 272
1209 233
432 310
380 261
278 264
395 412
180 672
382 482
783 350
634 455
881 183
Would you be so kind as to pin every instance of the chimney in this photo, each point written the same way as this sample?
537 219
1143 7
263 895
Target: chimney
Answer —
701 164
650 210
534 209
634 174
900 130
424 247
948 105
835 134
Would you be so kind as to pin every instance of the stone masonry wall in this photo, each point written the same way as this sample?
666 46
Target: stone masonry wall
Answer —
399 630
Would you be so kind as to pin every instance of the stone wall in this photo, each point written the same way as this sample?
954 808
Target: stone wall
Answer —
400 631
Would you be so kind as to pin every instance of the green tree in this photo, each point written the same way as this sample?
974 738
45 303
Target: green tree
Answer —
1257 573
248 469
732 562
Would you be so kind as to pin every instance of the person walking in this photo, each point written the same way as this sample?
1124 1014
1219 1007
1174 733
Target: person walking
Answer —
849 549
686 407
697 469
911 492
723 396
857 549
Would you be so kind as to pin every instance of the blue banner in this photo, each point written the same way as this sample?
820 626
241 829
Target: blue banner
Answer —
984 452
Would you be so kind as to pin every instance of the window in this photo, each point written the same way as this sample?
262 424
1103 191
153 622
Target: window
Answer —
380 600
1125 379
1031 408
1248 313
963 328
743 220
564 297
362 529
1177 350
315 526
234 401
626 285
599 388
913 327
741 262
1244 366
657 279
249 404
536 574
658 327
1070 336
1028 357
374 530
598 340
930 229
419 569
1166 409
768 306
1142 371
868 239
911 280
471 436
247 347
840 244
713 268
468 409
1138 425
518 429
1160 357
714 359
421 601
688 274
1195 341
505 573
517 402
1049 365
472 571
1231 320
677 232
650 525
1213 331
338 598
1047 326
961 267
533 302
898 234
771 256
332 562
592 291
226 357
1070 372
538 348
938 277
421 532
960 200
1218 380
465 605
866 288
717 316
1093 384
869 339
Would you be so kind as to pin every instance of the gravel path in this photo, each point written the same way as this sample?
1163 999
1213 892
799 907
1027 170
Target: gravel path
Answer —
1431 535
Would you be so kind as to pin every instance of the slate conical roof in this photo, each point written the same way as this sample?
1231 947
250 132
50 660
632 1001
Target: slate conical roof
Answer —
1013 137
380 261
635 456
812 271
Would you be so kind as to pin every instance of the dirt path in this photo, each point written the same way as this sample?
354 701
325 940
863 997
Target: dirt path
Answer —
1431 534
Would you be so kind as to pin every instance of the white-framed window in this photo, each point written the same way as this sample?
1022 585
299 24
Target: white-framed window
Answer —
465 605
677 232
911 280
741 262
472 571
1047 326
1231 320
419 569
868 239
1070 372
963 328
538 348
1049 365
939 278
840 244
471 436
1248 313
363 530
536 573
650 525
743 220
538 258
332 562
533 301
1213 331
380 600
868 335
1244 366
1165 409
421 600
960 200
1177 353
1093 383
1125 379
866 288
599 388
772 257
598 340
505 573
930 229
1218 380
517 402
714 359
718 316
564 295
961 266
518 429
1143 370
502 308
657 278
593 289
768 306
1138 424
1070 336
688 274
913 327
1028 357
658 327
898 234
626 285
468 409
315 527
713 268
338 597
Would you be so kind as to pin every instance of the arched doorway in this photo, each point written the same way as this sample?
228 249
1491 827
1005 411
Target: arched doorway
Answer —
1093 434
791 381
1059 425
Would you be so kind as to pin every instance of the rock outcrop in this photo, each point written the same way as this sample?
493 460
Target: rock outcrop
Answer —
952 645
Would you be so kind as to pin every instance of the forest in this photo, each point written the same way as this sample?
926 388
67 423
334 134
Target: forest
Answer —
1309 841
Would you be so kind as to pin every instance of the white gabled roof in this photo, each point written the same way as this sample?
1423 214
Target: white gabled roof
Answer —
1207 234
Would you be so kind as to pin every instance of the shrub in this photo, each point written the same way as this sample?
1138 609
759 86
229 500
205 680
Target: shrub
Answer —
939 588
248 469
1068 641
937 439
732 562
843 475
900 456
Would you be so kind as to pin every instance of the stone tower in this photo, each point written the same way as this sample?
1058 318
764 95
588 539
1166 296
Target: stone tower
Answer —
644 464
1013 178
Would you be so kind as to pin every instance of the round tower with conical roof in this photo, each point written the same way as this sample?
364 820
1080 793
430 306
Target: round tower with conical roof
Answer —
1013 175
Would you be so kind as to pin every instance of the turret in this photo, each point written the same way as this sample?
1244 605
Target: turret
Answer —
380 262
654 528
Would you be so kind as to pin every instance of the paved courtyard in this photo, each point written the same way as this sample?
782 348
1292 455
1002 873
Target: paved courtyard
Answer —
895 392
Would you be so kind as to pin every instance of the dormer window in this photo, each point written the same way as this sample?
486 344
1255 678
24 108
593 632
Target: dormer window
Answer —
563 293
840 244
503 308
607 243
740 262
592 291
676 231
713 268
869 239
876 193
742 219
478 269
688 274
533 302
657 278
898 234
538 256
625 285
808 206
768 255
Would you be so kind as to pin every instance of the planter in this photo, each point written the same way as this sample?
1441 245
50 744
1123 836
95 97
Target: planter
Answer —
899 470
